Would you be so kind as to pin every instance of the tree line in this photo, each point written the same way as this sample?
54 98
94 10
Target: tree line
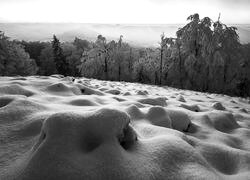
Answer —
205 55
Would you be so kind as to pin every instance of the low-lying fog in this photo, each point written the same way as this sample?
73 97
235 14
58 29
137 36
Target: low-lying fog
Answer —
138 35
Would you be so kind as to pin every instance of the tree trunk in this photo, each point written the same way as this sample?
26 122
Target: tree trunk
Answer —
180 67
161 65
106 68
156 78
130 65
119 73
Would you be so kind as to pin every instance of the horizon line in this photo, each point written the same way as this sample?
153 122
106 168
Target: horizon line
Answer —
6 22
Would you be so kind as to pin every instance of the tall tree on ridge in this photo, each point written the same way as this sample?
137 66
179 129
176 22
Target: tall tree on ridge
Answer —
119 56
59 59
165 42
103 49
162 46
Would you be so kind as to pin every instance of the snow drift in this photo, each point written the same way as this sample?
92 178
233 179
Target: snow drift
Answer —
65 128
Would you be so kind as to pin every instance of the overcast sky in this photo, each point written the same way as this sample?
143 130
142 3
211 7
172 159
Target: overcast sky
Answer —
123 11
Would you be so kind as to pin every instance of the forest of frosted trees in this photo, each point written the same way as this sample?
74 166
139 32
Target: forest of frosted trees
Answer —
205 55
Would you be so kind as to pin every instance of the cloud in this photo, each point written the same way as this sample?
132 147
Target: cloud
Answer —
221 3
123 11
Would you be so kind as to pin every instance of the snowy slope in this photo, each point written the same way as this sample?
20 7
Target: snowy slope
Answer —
63 128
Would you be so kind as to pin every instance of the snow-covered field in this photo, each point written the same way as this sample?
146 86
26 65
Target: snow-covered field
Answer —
63 128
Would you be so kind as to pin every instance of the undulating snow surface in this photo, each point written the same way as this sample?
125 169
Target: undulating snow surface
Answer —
63 128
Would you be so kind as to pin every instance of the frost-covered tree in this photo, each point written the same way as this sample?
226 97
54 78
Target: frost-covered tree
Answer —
103 50
205 47
13 59
73 56
34 48
59 58
47 66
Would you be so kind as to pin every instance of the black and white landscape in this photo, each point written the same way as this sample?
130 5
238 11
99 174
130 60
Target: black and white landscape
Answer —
152 89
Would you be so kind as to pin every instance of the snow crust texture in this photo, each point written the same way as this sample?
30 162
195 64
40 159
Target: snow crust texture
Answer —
64 128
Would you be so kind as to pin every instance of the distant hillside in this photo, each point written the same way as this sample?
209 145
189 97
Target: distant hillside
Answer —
137 35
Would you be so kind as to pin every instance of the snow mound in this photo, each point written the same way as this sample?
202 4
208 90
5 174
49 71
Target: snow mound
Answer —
113 91
5 100
180 98
140 92
127 94
60 127
159 116
83 102
158 101
223 121
180 119
63 89
218 106
194 108
15 89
